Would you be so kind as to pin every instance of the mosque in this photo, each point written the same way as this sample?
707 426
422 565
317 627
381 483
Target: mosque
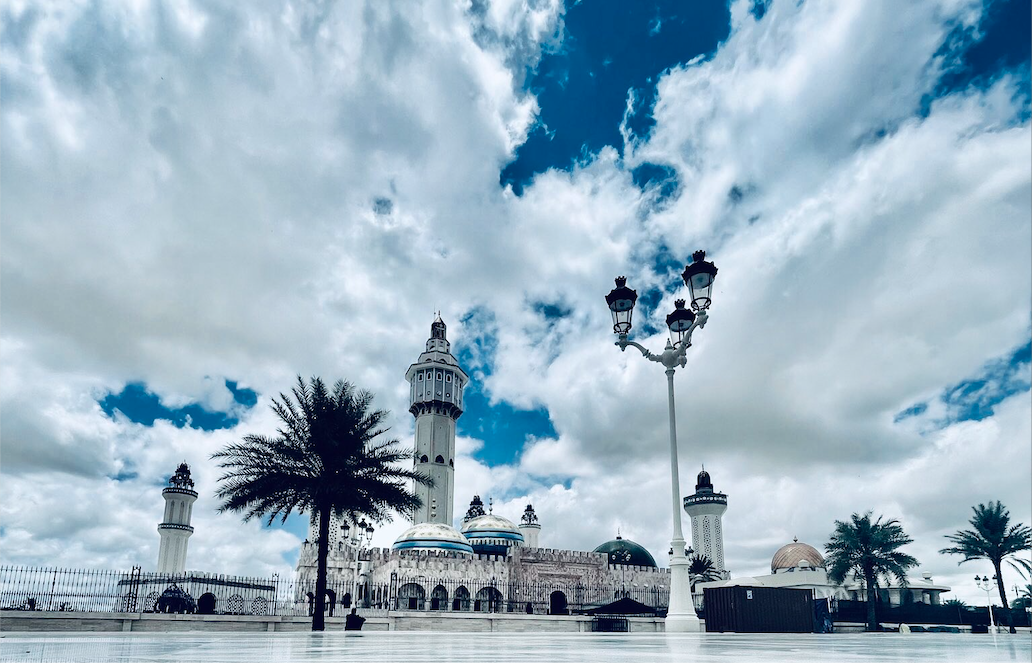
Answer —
488 563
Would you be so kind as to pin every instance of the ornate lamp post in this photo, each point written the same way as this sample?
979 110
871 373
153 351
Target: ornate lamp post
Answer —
987 584
363 537
698 276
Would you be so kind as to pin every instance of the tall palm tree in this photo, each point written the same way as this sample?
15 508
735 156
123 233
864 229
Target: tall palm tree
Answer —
870 550
993 538
701 569
326 458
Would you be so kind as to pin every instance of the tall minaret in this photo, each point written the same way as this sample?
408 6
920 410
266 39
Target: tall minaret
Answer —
705 508
175 529
435 395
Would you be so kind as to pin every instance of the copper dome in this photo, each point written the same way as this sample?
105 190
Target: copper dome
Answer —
789 556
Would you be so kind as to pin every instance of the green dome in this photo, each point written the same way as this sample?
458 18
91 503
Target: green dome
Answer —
625 551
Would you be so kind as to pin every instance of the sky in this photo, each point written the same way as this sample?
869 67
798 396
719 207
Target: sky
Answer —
202 201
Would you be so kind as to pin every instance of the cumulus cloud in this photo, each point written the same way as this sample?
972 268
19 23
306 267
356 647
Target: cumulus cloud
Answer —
194 193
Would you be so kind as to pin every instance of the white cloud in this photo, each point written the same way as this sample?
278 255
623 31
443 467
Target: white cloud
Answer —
190 195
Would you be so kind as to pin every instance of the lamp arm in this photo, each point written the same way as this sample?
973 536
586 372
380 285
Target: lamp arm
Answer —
622 343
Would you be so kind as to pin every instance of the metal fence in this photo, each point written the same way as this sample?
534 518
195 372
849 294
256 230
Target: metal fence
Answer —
921 613
56 589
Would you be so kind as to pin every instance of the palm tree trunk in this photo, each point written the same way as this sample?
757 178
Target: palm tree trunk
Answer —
1003 591
323 549
872 596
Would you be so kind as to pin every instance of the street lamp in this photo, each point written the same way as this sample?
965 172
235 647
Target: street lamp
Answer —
986 585
363 536
699 277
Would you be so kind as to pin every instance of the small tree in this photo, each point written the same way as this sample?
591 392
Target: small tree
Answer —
993 538
701 569
870 550
327 458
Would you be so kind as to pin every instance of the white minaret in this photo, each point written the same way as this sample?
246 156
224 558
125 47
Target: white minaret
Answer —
175 529
530 528
705 508
436 384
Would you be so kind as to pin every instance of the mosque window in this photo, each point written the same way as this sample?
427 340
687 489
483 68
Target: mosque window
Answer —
439 375
439 459
424 459
448 378
419 376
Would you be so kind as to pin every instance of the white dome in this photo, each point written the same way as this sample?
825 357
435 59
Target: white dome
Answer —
433 536
491 525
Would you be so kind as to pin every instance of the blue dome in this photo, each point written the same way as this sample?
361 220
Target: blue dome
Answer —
433 536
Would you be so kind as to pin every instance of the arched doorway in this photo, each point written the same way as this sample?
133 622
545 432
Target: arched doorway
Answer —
439 598
346 601
488 599
461 601
557 603
206 604
411 596
331 601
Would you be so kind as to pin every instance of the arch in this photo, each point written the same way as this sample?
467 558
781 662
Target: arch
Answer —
557 603
439 598
259 606
439 459
331 601
451 461
460 602
411 596
488 599
530 608
206 604
345 601
424 459
235 605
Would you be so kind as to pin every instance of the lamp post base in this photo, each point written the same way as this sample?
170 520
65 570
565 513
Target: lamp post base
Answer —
681 617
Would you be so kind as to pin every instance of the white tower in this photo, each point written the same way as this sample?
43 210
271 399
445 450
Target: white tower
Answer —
435 395
175 529
530 528
705 508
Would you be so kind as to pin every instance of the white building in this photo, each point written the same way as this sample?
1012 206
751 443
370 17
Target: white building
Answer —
799 565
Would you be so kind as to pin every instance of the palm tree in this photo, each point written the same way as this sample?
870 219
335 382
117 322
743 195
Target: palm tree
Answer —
701 569
325 459
870 551
993 538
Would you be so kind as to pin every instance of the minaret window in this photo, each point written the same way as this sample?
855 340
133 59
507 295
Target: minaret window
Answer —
448 378
439 459
424 459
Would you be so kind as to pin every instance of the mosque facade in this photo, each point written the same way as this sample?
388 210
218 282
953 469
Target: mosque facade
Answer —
488 563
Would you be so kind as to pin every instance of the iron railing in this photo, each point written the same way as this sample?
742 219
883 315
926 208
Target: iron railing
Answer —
92 590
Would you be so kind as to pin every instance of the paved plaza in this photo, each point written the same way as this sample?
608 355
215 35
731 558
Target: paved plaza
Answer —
503 648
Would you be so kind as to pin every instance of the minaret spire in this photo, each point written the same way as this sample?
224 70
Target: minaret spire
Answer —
175 528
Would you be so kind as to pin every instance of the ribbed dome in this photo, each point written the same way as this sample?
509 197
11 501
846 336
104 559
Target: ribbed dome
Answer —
433 536
492 535
625 551
789 556
492 525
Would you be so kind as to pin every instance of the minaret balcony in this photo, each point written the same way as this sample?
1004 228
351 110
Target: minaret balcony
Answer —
176 526
705 498
178 491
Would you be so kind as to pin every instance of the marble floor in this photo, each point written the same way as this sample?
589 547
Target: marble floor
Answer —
414 647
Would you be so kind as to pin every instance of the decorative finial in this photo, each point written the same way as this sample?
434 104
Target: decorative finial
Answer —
490 505
795 539
476 508
678 303
621 281
698 256
529 517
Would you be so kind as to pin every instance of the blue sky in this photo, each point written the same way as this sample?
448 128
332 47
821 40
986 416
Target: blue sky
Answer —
218 201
